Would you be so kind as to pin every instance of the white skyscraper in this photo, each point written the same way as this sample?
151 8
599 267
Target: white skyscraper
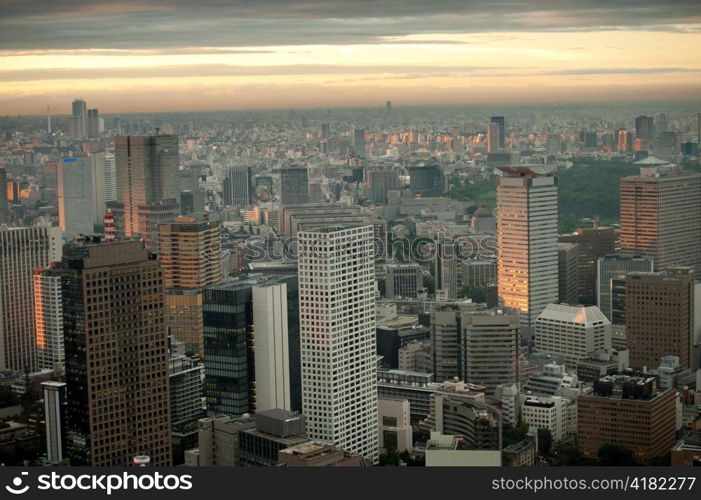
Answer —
527 240
110 178
55 416
97 168
272 353
22 249
76 199
48 317
337 330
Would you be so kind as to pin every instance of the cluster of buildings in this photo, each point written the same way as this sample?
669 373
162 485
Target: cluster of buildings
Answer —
280 310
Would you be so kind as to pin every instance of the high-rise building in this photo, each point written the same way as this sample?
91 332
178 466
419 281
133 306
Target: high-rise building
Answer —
403 280
76 198
527 240
645 128
272 352
659 312
150 216
4 206
625 141
572 332
593 242
661 216
379 181
190 257
337 331
611 266
118 404
359 142
93 123
426 181
55 418
79 119
238 187
501 130
111 193
629 411
489 348
480 273
294 186
493 138
22 250
147 172
445 263
48 317
567 272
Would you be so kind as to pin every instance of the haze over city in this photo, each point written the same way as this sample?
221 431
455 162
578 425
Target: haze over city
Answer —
216 55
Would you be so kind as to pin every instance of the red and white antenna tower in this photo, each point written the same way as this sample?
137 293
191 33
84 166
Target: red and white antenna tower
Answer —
110 233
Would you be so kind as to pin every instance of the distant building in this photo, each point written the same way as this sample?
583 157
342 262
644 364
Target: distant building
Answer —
75 196
615 265
403 280
4 206
48 318
601 363
238 187
426 181
294 186
479 273
568 273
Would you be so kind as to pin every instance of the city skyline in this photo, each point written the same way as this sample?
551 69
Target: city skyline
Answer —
153 57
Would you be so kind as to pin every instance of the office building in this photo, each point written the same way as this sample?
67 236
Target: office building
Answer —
659 317
479 273
379 181
337 331
294 186
445 264
22 249
55 418
93 123
629 411
318 454
413 386
568 273
572 332
111 193
426 181
489 348
79 119
118 404
147 173
75 196
593 242
237 187
403 280
48 318
500 131
275 430
548 413
272 347
395 425
616 265
661 216
359 142
4 206
601 363
645 128
527 267
218 441
186 378
190 257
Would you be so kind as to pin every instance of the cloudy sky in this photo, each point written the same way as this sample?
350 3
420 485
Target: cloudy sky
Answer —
158 55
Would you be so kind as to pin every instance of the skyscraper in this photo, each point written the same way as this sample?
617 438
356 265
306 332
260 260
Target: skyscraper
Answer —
147 173
93 123
446 267
593 242
661 216
527 266
55 417
337 321
111 193
501 130
48 314
359 142
76 198
238 187
116 354
79 119
22 249
567 273
426 181
660 317
294 186
614 265
379 181
4 207
645 128
190 257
